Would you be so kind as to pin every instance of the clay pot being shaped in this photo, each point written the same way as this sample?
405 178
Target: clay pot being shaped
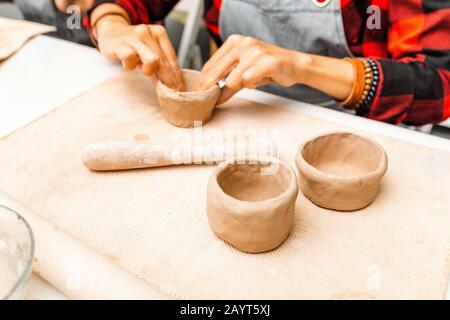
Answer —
341 171
251 204
184 108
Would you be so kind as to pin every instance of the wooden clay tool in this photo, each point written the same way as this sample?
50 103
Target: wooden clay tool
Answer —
110 156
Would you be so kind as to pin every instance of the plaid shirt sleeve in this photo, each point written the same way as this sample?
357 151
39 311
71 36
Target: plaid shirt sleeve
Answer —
412 50
139 11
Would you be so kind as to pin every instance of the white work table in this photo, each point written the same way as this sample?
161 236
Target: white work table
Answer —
48 72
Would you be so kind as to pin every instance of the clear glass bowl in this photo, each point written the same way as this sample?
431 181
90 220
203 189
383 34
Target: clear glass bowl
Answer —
16 254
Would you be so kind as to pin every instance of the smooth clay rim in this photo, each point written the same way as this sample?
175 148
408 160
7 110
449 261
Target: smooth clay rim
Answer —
312 172
290 190
185 95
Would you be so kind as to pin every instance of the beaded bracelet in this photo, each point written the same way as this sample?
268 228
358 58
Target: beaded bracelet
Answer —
370 88
365 85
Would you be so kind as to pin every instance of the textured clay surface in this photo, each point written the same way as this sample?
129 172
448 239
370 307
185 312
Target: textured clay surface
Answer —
188 108
341 171
250 209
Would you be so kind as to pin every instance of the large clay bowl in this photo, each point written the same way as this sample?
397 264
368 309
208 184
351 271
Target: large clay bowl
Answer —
341 171
251 205
185 108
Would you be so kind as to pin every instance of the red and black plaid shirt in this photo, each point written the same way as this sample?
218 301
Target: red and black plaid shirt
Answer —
412 48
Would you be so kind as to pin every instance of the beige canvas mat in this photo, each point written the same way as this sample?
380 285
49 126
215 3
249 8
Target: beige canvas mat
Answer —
153 222
15 33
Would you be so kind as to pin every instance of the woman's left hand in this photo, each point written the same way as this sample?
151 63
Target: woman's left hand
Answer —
249 63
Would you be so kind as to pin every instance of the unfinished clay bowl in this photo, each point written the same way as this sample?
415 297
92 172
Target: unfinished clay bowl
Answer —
184 108
341 171
251 206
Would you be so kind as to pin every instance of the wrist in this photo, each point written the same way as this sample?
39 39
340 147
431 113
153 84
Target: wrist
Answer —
110 22
302 66
332 76
107 16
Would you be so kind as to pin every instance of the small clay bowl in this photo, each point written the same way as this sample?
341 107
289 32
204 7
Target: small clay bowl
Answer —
341 171
184 108
249 208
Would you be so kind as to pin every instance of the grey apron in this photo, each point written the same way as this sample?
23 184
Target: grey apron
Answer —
293 24
44 11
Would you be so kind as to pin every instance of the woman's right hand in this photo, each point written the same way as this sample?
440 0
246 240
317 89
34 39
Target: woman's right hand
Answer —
145 46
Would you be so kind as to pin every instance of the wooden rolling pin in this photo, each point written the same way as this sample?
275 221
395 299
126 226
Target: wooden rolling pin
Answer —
111 156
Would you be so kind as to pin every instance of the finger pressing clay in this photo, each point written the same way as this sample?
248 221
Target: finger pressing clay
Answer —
341 171
251 205
184 108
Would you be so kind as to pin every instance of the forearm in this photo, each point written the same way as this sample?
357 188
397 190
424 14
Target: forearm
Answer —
334 77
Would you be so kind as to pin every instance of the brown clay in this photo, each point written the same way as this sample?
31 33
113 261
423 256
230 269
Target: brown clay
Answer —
111 156
126 155
252 211
182 109
341 171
